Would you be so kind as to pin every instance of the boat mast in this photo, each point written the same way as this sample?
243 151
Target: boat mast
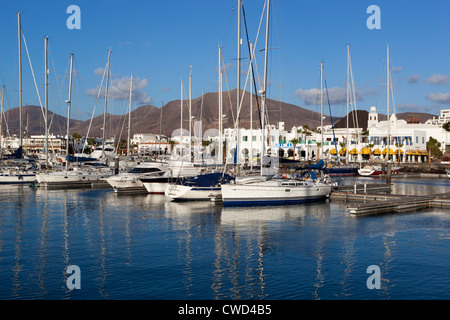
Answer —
220 147
160 126
129 116
321 108
1 121
388 116
106 104
251 106
190 113
238 89
181 121
69 101
348 87
46 99
263 92
20 76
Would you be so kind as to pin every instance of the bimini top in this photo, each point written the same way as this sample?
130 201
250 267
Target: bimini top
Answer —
207 180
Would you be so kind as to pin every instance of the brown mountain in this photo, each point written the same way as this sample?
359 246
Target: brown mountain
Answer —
146 119
33 121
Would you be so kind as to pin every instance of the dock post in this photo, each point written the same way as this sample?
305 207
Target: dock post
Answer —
388 174
116 165
365 187
354 188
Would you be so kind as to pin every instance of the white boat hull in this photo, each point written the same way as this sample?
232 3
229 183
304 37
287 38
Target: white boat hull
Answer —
180 192
272 192
17 178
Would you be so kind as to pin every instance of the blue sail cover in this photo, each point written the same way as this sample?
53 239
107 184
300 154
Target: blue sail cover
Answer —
318 165
207 180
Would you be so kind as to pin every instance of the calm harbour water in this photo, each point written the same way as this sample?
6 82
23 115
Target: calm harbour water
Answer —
146 247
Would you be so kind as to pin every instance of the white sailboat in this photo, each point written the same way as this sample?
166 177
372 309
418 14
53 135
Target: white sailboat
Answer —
265 191
77 177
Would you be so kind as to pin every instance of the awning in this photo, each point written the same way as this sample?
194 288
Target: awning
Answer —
333 151
423 152
412 152
376 151
391 152
343 151
365 150
353 151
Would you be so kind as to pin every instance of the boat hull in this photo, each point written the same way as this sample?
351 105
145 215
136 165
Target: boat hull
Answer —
178 192
272 194
11 178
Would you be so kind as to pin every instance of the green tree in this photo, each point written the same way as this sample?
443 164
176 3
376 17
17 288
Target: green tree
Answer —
446 126
434 147
294 142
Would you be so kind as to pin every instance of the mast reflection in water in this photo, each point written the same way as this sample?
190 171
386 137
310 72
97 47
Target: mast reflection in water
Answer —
147 247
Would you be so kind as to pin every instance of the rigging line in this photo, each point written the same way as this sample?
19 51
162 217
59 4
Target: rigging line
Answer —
95 106
251 63
229 97
59 88
34 78
331 119
354 101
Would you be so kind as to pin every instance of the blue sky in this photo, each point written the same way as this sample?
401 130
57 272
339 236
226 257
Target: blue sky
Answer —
158 41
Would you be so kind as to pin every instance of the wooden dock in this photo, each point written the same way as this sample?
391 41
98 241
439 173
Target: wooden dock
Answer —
373 203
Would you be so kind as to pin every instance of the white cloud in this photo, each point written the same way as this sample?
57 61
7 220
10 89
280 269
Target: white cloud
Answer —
337 95
413 78
119 89
439 97
441 79
396 69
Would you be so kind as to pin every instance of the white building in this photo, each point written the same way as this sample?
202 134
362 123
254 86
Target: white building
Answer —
444 117
408 141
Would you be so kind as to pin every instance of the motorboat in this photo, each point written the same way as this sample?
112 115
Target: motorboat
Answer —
131 181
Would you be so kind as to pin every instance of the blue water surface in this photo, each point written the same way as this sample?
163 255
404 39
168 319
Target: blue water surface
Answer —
147 247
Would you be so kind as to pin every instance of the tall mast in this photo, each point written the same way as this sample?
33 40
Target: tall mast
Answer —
190 113
69 102
1 120
46 99
251 105
220 151
106 105
19 24
321 108
348 87
160 126
129 116
388 116
181 121
238 89
263 93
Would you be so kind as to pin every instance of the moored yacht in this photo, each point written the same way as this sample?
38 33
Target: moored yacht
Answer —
131 181
201 187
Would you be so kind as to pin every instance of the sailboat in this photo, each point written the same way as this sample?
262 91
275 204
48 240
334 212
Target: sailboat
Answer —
77 177
340 169
19 170
378 170
269 191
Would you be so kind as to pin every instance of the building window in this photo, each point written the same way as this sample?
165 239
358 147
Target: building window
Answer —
417 139
254 138
244 138
423 140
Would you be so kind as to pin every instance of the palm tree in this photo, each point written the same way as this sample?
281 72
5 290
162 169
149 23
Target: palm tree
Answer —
294 142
